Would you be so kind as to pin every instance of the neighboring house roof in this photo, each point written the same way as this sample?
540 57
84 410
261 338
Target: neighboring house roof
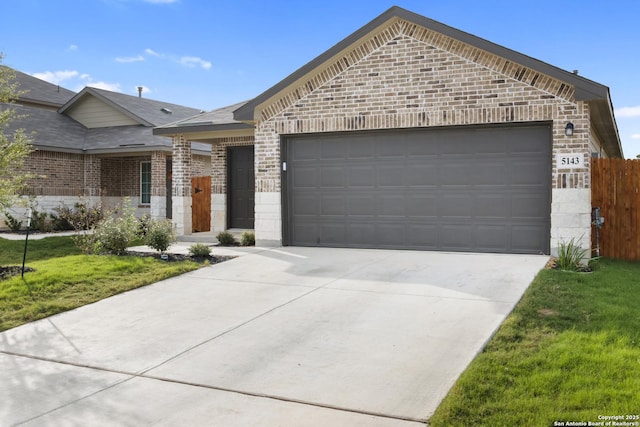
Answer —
595 94
55 131
49 130
38 91
147 112
215 120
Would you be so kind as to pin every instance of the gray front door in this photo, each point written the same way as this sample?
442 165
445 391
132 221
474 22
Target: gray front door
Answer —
241 187
478 189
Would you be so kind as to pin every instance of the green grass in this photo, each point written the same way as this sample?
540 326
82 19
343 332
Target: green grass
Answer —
64 279
570 351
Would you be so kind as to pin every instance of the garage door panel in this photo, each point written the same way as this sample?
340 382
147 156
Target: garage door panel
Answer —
362 205
422 206
332 205
492 238
391 205
492 206
390 176
423 236
456 205
333 177
422 175
455 237
305 177
529 206
389 234
465 189
362 176
524 236
305 205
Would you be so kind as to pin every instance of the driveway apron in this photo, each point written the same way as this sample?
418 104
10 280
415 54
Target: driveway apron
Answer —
285 336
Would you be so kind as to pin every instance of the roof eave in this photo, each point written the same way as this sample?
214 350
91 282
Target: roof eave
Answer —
199 127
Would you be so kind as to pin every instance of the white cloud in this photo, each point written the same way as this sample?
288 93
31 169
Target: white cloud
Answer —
193 61
628 111
114 87
635 136
73 47
151 52
129 59
56 77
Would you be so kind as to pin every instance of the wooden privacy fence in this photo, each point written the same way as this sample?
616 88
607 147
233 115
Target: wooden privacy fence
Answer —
615 189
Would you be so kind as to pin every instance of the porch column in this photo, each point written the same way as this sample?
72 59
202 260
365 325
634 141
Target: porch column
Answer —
181 185
158 185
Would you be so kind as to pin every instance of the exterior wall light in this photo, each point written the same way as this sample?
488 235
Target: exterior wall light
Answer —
568 129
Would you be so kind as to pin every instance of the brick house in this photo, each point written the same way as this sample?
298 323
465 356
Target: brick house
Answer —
100 145
407 134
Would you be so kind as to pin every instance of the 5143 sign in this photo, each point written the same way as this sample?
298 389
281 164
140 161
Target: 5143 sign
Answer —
569 161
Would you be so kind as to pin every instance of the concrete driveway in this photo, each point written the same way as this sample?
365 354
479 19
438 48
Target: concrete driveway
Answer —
280 337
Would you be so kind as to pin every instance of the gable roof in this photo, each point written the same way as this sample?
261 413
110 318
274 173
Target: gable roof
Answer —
38 91
596 94
215 120
147 112
585 89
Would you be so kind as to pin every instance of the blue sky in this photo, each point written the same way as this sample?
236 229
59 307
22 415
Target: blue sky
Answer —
210 53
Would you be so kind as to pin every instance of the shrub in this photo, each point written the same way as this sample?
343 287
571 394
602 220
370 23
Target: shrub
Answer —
14 224
160 234
226 239
571 256
81 217
39 221
199 250
144 223
115 233
60 219
248 238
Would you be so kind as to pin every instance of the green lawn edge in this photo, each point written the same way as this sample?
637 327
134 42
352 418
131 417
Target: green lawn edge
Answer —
568 353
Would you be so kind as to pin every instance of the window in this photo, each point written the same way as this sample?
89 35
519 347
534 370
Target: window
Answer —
145 183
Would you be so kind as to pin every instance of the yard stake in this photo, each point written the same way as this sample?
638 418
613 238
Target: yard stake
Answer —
24 256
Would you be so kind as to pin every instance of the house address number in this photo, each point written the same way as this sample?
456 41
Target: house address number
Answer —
569 161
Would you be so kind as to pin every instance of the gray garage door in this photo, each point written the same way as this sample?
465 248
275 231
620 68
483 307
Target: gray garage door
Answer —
478 189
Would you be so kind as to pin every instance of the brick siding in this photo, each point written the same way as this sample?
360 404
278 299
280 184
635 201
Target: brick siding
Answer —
408 76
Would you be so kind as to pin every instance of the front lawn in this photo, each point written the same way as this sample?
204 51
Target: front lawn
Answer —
65 279
569 352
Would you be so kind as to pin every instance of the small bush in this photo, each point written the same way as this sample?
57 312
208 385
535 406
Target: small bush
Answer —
571 256
115 233
14 224
39 221
248 238
80 217
144 223
226 239
160 234
200 250
59 220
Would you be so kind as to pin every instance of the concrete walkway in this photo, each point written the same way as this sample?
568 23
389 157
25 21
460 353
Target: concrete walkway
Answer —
286 336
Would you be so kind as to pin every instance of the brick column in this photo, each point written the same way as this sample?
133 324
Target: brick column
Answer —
158 184
181 185
92 178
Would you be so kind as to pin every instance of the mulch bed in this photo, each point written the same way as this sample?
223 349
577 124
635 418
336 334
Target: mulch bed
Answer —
12 270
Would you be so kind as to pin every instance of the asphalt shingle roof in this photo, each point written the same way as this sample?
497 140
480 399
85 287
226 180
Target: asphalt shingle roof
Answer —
147 112
39 91
218 119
